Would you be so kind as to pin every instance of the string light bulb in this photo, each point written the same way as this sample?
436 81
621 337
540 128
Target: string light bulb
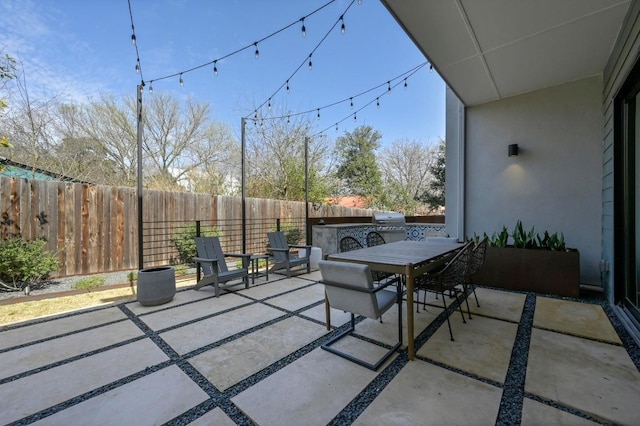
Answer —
388 87
342 27
304 29
351 102
150 88
269 105
137 68
215 67
354 117
336 127
288 90
288 120
318 113
405 84
257 53
377 102
133 39
310 63
181 80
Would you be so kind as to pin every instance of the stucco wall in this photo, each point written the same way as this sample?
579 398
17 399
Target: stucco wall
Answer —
555 183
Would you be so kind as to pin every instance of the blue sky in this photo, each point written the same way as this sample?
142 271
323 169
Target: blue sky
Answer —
78 49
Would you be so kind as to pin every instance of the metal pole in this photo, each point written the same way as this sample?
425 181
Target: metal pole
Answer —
243 183
139 187
306 188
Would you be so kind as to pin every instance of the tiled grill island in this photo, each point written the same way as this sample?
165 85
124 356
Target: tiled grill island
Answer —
327 237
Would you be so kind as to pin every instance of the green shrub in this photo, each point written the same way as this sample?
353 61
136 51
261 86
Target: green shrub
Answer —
24 262
185 242
181 269
132 276
294 235
89 283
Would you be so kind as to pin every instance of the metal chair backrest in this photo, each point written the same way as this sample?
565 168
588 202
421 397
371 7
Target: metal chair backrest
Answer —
374 239
477 256
210 248
349 244
455 271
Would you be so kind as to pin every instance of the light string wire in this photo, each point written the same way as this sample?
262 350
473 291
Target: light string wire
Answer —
340 20
249 46
404 76
134 41
376 99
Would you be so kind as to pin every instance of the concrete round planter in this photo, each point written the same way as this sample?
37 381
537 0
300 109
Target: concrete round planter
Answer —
156 285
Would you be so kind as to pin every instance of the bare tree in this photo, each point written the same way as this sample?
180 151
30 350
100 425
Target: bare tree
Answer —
275 160
406 168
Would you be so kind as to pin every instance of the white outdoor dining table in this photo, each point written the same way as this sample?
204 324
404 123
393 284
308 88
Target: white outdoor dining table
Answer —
408 258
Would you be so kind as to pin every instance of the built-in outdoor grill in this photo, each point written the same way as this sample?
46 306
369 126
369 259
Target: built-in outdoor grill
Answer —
392 226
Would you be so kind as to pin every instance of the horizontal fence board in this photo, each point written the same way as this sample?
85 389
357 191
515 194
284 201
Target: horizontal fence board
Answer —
94 229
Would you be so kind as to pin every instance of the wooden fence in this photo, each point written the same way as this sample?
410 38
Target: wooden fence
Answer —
94 229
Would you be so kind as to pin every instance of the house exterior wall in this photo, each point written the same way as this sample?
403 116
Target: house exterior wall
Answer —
623 57
555 182
454 166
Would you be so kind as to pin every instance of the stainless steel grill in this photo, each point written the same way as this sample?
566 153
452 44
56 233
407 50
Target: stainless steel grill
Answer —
392 226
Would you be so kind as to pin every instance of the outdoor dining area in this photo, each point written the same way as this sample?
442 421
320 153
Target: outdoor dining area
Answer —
423 345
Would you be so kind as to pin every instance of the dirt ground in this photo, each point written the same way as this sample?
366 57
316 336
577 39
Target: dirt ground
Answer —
21 310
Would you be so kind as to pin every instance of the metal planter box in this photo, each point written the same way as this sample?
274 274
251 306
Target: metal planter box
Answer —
539 271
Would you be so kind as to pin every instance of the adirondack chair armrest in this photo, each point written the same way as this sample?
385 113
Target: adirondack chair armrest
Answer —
214 262
300 246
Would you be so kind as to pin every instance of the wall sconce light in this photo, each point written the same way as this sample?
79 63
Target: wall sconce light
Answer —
513 149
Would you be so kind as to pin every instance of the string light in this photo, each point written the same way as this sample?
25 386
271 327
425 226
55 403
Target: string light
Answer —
336 127
134 42
269 104
389 87
400 78
288 90
304 29
257 53
354 117
150 88
307 59
215 68
288 120
342 27
405 84
255 44
181 80
318 113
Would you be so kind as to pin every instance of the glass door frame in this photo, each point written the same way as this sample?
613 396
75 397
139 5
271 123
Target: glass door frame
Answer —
626 108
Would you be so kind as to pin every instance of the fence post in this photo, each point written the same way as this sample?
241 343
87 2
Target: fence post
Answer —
278 224
198 270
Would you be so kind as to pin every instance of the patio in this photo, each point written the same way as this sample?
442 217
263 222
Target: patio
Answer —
253 356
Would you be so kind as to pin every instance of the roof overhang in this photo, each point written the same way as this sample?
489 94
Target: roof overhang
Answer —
487 50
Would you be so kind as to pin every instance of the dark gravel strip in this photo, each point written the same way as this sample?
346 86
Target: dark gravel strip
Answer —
565 408
58 336
68 360
627 341
360 403
91 394
510 412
